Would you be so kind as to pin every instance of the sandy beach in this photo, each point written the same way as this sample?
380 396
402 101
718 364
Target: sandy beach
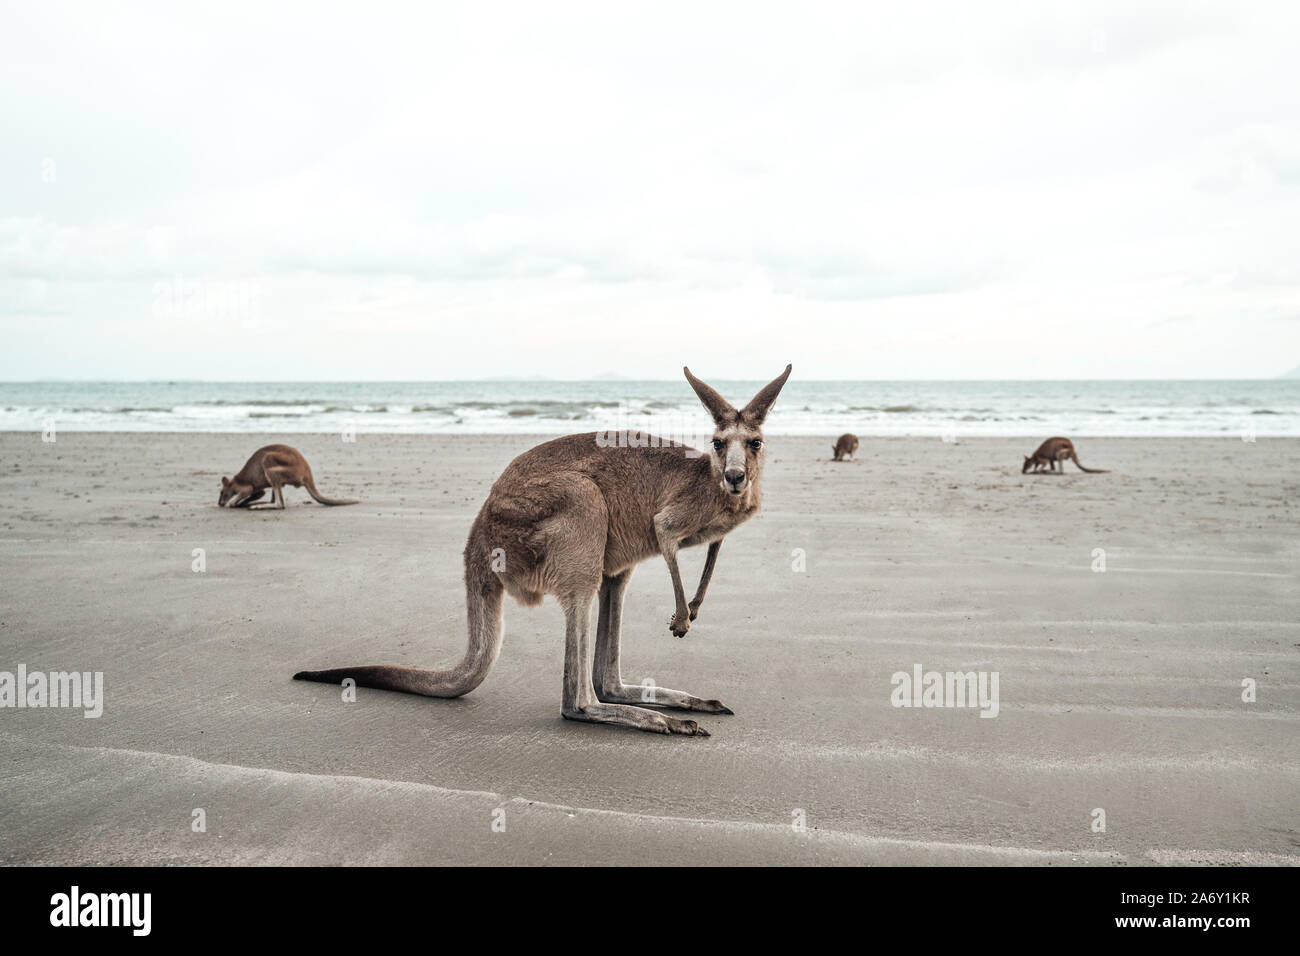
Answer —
1120 690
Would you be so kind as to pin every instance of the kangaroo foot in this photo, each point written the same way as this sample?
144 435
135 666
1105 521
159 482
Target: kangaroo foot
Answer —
689 728
638 718
649 695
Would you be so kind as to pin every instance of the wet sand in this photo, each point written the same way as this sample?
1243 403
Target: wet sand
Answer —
1119 690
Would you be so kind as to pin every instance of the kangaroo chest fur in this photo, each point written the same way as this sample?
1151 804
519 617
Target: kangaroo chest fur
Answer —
627 545
722 524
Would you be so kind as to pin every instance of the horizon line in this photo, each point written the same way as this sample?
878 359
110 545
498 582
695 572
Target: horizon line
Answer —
517 380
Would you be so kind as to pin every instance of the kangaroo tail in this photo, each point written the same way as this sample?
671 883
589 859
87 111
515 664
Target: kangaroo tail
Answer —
310 485
483 598
1091 471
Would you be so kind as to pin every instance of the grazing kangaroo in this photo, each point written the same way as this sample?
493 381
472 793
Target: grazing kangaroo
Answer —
271 467
1053 454
846 446
572 517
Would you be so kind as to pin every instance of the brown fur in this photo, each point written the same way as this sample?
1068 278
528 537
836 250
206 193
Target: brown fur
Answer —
1052 454
846 446
572 517
273 467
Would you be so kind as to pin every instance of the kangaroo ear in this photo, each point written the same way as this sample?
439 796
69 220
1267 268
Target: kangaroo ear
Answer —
756 410
224 481
722 411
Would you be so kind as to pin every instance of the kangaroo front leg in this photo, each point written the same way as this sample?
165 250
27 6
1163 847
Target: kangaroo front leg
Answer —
606 673
709 560
669 535
580 702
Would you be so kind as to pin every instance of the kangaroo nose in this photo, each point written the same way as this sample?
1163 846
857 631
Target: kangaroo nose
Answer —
735 477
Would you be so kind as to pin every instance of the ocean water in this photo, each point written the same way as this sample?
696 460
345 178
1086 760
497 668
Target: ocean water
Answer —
1009 408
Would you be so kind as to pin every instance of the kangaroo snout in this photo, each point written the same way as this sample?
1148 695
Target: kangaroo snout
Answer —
735 478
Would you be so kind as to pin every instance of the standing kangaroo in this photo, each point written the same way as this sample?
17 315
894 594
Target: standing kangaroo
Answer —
273 466
572 517
845 447
1053 453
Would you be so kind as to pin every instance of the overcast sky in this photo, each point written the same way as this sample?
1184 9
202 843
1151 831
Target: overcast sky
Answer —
991 190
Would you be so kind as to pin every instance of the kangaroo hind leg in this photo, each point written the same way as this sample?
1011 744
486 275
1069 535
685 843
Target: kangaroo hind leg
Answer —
580 701
607 675
277 476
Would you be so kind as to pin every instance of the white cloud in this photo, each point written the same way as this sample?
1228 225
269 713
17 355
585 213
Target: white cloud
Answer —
934 191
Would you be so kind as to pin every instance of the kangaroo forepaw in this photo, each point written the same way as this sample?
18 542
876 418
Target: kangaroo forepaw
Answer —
694 608
679 624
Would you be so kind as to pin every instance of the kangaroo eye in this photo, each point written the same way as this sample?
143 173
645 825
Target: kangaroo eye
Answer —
717 444
756 444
